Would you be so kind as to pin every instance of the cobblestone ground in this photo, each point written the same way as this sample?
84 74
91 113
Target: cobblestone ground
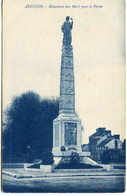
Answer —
65 184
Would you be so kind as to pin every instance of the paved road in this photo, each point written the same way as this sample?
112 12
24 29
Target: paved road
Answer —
65 184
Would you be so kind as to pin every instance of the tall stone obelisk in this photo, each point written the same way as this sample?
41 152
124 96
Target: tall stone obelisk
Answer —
67 126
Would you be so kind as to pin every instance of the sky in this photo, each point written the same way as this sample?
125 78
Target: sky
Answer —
32 43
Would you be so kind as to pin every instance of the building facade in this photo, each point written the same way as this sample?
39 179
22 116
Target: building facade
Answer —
105 147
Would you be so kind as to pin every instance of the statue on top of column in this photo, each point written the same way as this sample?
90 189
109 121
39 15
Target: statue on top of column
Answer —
66 29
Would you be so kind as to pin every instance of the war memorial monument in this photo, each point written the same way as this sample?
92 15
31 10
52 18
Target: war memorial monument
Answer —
67 130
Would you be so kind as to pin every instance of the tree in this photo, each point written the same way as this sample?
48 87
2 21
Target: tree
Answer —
47 158
28 126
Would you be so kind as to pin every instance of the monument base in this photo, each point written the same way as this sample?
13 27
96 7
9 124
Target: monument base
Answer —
83 164
57 158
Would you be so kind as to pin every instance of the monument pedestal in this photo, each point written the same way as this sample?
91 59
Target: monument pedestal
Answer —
67 133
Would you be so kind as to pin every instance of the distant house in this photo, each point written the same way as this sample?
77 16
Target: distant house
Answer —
100 134
112 144
102 143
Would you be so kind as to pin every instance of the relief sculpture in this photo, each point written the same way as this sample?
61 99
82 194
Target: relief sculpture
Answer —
70 134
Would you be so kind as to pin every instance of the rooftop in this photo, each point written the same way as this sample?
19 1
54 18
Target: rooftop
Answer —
101 132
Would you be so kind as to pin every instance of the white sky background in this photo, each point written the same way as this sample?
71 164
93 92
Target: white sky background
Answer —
32 44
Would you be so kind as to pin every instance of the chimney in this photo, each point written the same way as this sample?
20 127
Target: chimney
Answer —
100 129
117 137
